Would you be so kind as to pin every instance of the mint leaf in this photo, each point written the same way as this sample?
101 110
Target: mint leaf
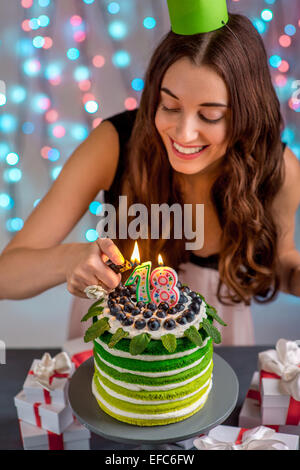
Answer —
211 311
139 343
193 335
212 331
94 310
119 334
97 329
169 341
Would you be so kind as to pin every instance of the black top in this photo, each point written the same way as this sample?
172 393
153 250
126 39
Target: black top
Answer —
123 123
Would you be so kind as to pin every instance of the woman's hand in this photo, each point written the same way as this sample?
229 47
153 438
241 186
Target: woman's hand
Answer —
87 266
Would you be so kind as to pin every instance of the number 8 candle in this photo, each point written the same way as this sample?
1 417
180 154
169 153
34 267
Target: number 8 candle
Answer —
163 280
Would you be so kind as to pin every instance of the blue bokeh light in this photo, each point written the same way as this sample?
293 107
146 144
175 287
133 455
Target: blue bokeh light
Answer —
2 99
44 20
79 132
24 47
275 61
288 135
91 106
260 25
17 94
137 84
38 42
149 22
73 53
8 123
6 202
81 73
290 30
53 155
121 59
12 158
267 15
34 23
44 3
28 127
117 30
14 224
88 2
36 202
91 235
31 67
12 175
53 71
113 8
95 207
4 149
55 172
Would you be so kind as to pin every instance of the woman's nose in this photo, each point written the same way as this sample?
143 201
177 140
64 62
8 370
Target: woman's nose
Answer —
187 130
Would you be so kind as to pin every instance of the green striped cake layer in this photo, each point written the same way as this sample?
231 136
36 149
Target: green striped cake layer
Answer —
154 347
153 366
177 393
150 419
125 376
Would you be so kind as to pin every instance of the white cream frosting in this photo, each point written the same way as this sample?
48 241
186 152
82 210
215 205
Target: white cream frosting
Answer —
149 357
152 374
114 394
178 331
170 414
138 387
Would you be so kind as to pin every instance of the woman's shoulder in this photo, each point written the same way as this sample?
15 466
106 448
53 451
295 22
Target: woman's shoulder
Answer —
123 122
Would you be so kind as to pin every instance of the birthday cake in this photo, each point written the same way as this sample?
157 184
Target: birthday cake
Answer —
153 363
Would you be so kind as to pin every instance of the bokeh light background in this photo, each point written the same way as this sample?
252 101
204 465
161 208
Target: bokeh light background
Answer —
66 65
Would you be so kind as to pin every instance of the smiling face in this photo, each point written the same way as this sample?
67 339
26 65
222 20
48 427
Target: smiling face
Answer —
193 112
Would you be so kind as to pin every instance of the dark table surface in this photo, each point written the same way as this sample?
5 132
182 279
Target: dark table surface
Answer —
243 360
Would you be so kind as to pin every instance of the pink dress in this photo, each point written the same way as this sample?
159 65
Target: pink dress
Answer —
238 332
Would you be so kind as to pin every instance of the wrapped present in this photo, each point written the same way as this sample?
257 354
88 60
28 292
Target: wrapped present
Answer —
77 350
54 417
250 414
75 437
279 372
48 379
234 438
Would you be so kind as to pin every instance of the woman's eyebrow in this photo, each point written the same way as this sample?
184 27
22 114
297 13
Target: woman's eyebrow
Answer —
169 92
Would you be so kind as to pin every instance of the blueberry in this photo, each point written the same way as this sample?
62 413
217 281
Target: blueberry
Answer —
132 289
185 289
111 302
115 310
198 300
135 311
161 313
178 285
172 310
147 313
133 298
128 321
163 306
152 306
153 324
140 324
124 299
189 314
169 324
179 307
183 299
121 316
181 320
128 307
193 295
113 295
141 304
126 292
195 307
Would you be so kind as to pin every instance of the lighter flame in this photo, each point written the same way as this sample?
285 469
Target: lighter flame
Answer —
135 257
160 260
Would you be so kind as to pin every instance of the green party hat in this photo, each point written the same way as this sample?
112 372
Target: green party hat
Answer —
197 16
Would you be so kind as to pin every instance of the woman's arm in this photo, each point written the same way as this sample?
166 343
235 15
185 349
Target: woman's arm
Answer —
35 260
285 207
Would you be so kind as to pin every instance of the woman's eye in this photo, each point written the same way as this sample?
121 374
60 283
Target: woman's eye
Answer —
205 119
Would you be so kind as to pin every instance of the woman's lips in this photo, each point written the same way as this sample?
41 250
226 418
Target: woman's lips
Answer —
184 156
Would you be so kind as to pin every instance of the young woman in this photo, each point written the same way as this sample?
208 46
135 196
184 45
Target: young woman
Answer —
207 131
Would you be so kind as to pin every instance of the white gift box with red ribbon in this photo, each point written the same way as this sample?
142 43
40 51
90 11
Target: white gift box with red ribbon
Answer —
48 379
75 437
78 350
237 438
250 414
279 379
54 417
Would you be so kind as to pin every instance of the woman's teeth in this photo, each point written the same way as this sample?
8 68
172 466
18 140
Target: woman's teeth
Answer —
188 151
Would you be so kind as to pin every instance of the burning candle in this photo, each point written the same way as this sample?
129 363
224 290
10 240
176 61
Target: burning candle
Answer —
140 275
163 280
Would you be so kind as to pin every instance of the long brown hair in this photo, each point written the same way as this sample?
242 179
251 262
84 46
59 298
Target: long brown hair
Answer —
252 172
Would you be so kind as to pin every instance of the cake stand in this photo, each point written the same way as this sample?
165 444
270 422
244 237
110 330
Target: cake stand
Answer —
219 405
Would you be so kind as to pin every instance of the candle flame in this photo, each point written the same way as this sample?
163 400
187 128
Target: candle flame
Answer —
160 260
135 257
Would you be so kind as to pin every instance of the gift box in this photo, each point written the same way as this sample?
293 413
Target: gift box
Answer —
279 378
47 384
250 414
75 437
237 438
78 351
54 417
